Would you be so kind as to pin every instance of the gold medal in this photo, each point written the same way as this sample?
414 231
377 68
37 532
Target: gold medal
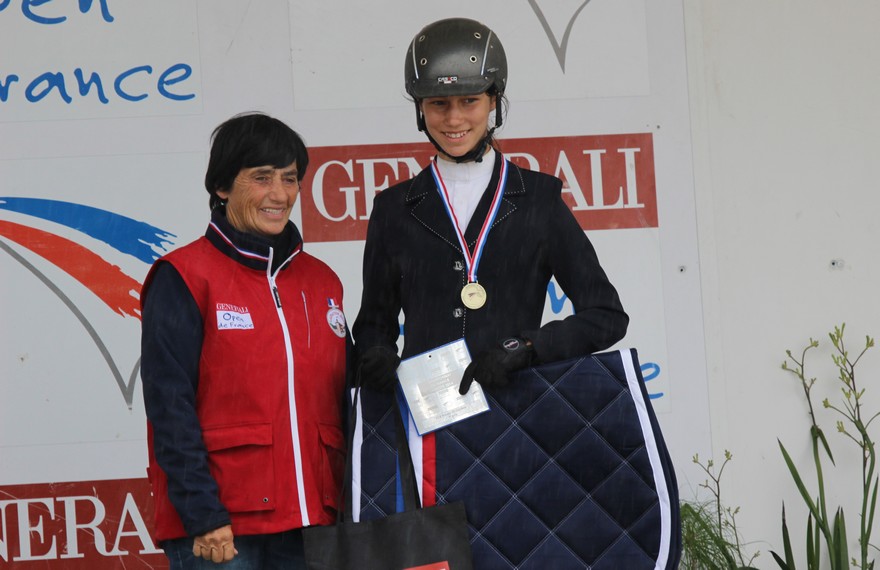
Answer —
473 295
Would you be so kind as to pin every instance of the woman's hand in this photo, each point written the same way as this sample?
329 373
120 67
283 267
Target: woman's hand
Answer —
216 546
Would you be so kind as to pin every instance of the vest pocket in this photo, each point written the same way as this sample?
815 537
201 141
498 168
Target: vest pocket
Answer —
241 460
333 451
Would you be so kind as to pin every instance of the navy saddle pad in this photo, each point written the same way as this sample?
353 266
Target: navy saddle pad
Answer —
567 470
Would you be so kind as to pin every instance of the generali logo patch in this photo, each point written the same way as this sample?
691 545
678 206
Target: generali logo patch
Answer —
608 180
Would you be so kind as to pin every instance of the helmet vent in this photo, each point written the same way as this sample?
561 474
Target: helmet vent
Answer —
454 47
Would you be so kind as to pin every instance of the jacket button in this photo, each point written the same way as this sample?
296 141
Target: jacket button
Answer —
265 499
458 312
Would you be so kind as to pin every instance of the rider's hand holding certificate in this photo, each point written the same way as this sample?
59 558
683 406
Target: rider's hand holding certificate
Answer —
430 384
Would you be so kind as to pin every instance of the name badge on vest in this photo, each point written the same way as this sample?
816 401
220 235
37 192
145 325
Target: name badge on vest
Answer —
231 317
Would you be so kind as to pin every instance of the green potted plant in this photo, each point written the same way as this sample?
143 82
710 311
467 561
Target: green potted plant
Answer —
710 538
822 527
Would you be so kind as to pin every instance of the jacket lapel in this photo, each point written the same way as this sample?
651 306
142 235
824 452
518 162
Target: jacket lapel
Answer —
513 188
427 207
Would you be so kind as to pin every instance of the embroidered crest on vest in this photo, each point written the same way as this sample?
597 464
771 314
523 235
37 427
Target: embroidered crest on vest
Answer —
335 318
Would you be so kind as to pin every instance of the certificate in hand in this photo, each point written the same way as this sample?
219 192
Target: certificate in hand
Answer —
430 385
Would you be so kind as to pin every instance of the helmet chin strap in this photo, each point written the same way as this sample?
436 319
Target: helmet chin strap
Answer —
475 154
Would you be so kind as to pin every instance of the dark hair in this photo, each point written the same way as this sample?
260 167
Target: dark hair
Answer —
248 140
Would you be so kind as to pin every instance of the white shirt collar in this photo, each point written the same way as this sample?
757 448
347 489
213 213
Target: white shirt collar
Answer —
465 171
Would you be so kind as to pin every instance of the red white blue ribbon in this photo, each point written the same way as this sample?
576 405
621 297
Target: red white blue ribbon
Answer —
471 259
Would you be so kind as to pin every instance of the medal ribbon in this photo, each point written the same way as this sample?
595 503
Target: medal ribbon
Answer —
472 260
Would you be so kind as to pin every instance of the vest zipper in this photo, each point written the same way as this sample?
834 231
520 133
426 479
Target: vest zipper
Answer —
291 387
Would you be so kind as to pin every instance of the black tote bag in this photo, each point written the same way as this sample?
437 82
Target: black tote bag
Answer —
431 538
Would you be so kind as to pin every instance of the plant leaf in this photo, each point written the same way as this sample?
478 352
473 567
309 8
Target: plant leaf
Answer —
871 510
812 552
786 542
840 554
799 483
782 564
817 541
825 445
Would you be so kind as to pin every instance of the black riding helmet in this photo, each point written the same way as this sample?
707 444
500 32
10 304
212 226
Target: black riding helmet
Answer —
452 57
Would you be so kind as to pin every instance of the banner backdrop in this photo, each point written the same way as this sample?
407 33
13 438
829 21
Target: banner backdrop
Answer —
106 108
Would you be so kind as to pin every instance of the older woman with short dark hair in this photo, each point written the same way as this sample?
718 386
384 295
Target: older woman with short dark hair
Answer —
243 362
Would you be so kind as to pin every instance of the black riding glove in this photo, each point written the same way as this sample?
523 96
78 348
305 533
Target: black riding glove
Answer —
377 368
491 367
